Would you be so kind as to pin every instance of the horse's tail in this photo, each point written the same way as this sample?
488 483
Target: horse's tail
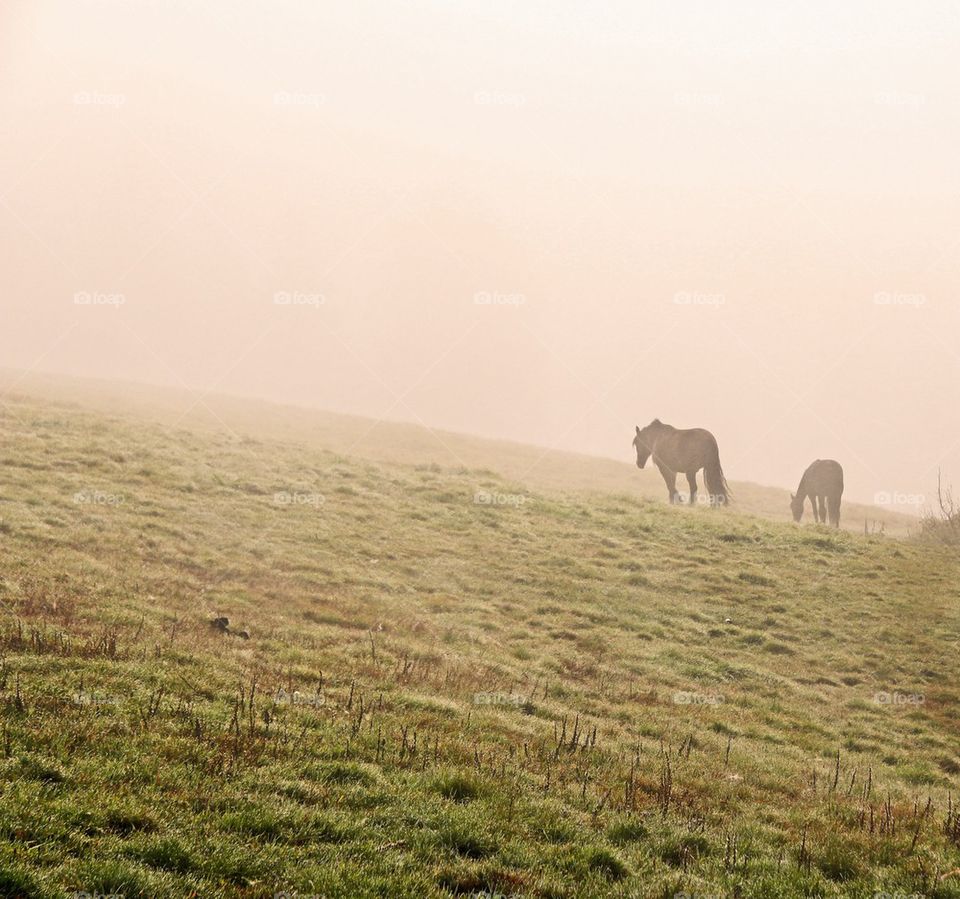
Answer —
716 482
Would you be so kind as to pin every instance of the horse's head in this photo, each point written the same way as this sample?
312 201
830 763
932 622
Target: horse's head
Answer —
644 442
796 506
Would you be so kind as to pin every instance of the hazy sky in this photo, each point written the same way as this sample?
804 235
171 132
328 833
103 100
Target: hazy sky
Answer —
544 221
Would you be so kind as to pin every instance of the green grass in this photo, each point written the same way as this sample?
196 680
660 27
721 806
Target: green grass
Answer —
580 694
391 442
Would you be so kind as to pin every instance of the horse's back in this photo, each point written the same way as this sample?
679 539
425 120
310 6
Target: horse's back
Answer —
687 449
697 436
824 476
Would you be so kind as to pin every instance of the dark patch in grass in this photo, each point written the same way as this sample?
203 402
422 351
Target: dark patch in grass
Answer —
839 861
563 635
606 863
464 883
167 855
949 765
19 883
678 852
467 843
34 769
639 580
233 865
625 832
557 833
124 823
458 787
757 580
827 544
495 884
718 727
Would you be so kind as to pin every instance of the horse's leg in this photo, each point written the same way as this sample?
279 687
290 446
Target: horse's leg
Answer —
692 481
833 502
822 500
670 477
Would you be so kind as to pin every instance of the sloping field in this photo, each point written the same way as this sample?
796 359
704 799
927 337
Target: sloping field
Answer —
536 467
440 679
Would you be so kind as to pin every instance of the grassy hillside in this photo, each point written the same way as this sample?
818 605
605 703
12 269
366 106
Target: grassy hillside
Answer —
451 683
536 467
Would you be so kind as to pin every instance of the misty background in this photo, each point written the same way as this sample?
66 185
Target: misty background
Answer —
546 222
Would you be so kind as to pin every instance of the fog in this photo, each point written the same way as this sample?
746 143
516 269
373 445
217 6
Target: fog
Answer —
547 222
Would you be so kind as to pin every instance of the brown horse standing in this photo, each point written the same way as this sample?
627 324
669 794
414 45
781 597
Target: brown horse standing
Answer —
687 451
823 483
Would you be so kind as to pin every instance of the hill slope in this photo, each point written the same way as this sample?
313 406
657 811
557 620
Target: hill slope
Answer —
383 441
451 684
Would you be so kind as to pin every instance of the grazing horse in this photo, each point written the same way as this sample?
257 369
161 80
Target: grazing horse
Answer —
823 483
686 451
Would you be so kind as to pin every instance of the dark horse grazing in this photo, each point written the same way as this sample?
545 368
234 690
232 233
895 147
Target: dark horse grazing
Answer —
823 483
685 451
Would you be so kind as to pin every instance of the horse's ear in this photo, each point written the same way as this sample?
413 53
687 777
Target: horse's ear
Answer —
656 421
638 430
